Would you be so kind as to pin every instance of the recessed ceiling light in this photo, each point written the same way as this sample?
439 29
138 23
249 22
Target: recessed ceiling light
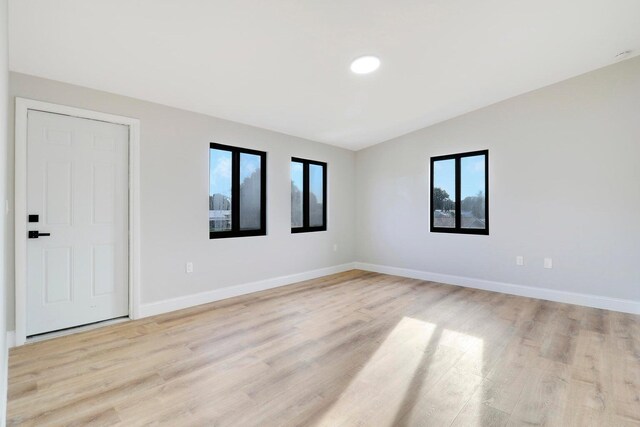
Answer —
365 64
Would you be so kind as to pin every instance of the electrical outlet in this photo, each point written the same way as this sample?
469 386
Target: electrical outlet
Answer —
189 267
548 263
335 247
519 260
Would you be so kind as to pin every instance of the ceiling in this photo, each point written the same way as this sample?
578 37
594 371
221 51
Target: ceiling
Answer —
284 64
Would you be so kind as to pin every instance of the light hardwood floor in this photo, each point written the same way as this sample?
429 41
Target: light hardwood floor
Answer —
350 349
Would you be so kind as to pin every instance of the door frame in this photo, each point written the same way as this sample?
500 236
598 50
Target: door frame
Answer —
22 107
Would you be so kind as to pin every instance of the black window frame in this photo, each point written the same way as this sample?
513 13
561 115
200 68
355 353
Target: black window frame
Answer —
306 228
458 219
235 192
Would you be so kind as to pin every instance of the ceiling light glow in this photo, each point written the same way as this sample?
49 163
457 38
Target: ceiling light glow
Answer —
365 64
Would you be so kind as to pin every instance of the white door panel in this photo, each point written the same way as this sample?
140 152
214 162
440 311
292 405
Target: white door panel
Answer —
77 183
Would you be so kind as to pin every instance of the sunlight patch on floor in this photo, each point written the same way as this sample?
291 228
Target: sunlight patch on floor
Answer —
447 388
467 386
397 382
380 386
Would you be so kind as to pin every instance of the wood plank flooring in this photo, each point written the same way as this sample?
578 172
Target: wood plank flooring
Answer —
353 349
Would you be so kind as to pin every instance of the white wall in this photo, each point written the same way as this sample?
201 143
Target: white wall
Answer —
175 188
5 246
564 183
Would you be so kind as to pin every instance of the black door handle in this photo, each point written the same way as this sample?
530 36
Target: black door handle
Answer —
34 234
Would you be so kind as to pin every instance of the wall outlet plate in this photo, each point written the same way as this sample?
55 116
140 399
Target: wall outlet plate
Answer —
519 260
548 263
189 267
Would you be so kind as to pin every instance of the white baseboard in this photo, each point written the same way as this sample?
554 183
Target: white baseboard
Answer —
159 307
11 339
596 301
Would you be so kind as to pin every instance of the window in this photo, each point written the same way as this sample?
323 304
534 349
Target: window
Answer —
460 193
237 192
308 196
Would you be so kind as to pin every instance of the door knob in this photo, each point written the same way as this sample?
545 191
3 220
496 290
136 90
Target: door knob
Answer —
34 234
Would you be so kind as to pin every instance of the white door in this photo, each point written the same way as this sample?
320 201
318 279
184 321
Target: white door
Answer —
77 185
